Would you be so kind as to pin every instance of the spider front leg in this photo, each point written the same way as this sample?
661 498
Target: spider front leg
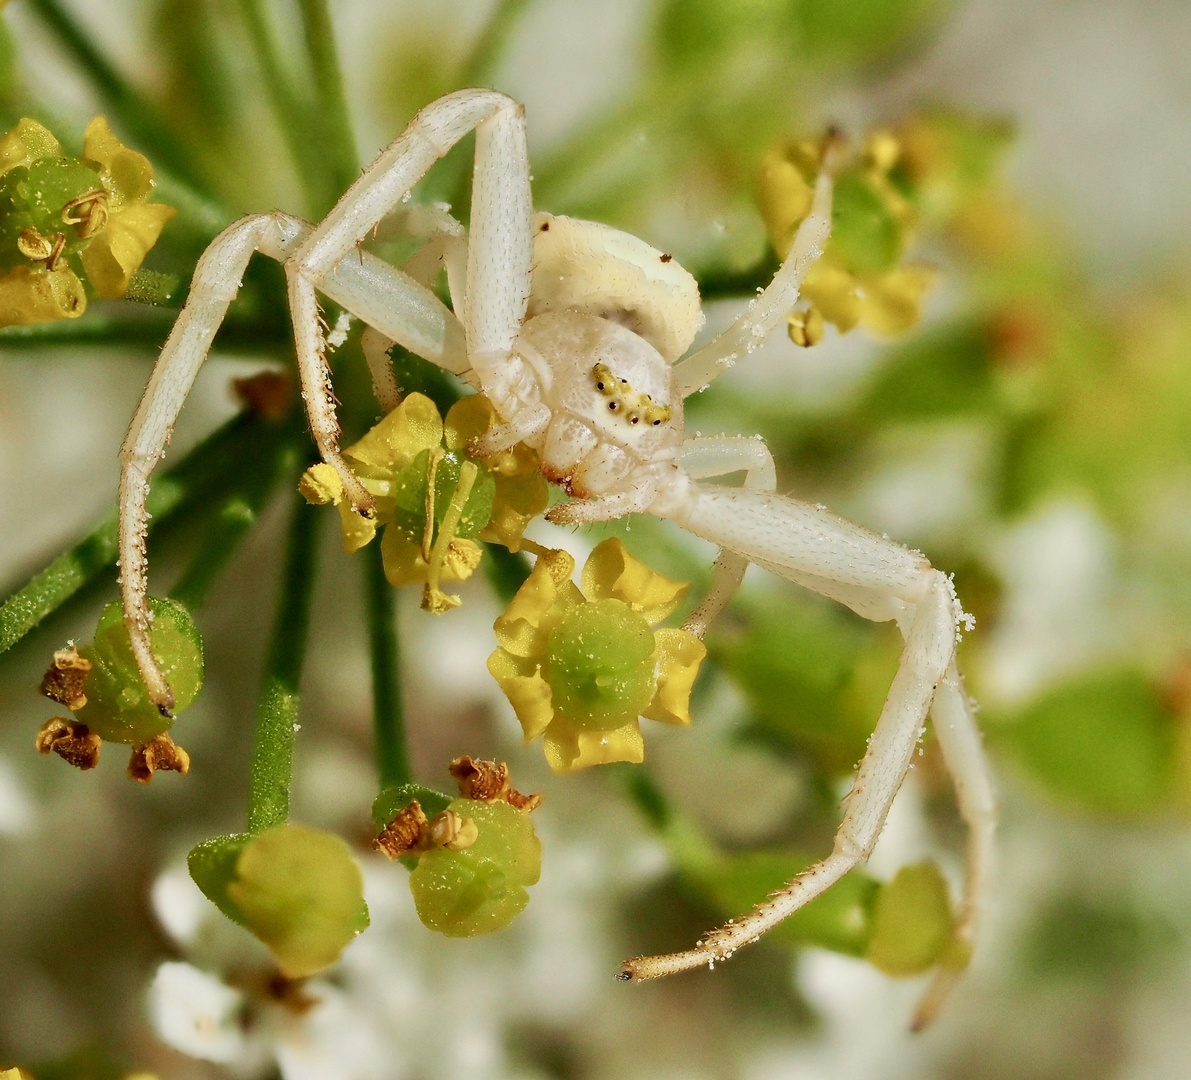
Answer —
500 244
880 580
380 294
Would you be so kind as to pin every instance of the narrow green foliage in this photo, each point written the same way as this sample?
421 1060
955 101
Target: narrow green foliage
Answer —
204 470
388 712
146 127
277 710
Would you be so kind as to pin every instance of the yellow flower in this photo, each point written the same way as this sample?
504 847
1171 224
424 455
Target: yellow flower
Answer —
580 667
433 500
133 223
860 278
60 216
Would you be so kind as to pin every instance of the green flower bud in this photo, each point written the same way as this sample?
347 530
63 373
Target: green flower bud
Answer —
480 889
911 921
118 709
297 889
600 665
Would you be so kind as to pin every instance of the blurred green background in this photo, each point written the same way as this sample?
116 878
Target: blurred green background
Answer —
1032 433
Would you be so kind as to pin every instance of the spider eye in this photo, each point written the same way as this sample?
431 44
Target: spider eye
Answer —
612 406
656 422
599 386
634 419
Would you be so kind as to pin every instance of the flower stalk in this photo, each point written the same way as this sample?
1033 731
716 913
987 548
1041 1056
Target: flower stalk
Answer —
277 711
388 711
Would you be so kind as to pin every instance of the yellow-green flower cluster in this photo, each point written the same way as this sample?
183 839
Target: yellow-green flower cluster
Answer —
860 278
65 219
581 666
433 499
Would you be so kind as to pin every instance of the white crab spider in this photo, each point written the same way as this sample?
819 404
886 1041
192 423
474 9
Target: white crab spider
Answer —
545 310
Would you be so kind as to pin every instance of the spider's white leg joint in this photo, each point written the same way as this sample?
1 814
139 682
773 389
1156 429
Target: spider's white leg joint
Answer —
216 279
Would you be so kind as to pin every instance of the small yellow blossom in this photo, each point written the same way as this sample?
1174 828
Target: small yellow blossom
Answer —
62 219
580 667
860 278
433 500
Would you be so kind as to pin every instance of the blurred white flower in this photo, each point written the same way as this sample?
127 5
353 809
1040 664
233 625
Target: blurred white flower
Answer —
195 1013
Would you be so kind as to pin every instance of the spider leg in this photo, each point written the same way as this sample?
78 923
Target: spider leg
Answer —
701 458
963 751
748 332
880 580
371 289
634 497
375 347
499 251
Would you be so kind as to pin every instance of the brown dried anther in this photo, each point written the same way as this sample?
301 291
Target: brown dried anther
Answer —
409 832
66 679
159 753
488 781
73 742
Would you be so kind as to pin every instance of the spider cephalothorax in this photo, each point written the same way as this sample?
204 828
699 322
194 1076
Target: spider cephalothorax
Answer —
576 332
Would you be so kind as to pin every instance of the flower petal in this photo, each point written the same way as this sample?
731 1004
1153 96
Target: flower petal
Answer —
568 748
679 654
612 573
404 564
519 499
404 433
833 291
892 302
127 175
358 531
541 590
529 694
467 419
33 294
26 142
116 254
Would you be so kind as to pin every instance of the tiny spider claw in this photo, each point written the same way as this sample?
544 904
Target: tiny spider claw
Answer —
624 975
165 710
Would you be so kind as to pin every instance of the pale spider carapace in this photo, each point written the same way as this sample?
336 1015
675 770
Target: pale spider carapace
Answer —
576 332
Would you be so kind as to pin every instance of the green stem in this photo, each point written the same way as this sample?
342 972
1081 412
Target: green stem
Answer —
205 469
388 714
142 121
232 520
336 142
277 710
